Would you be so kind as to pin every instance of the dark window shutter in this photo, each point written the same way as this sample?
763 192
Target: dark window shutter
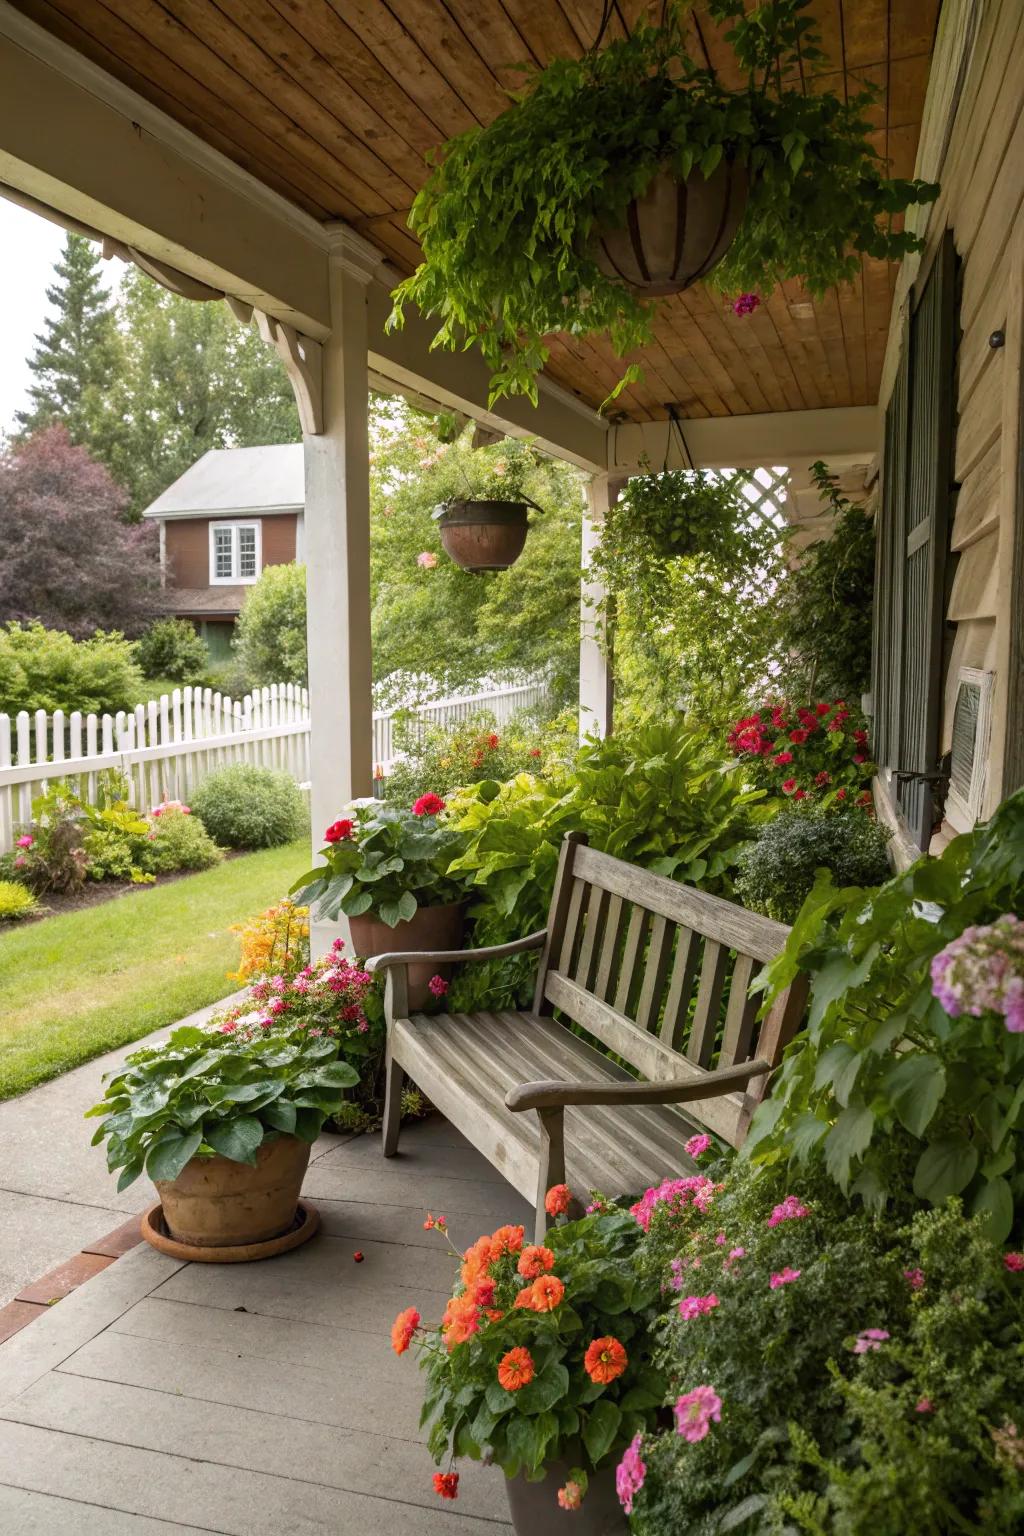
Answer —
913 547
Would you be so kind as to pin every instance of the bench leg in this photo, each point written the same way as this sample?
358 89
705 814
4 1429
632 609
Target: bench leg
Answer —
552 1163
394 1078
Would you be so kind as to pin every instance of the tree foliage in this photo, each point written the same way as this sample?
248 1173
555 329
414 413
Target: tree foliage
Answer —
66 556
270 637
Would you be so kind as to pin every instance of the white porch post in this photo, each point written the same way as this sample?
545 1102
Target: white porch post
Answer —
596 680
337 554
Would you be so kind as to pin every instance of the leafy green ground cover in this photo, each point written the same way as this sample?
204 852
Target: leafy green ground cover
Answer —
85 982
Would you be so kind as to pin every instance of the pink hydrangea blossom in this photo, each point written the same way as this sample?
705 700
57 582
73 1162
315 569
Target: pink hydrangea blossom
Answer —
427 560
697 1145
869 1339
630 1474
695 1411
783 1277
697 1306
983 972
789 1210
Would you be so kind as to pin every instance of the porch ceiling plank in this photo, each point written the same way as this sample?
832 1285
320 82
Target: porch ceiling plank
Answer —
229 58
707 314
585 20
129 57
426 28
498 41
791 339
548 30
701 363
851 316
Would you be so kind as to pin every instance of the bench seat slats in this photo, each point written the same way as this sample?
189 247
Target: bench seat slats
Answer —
440 1048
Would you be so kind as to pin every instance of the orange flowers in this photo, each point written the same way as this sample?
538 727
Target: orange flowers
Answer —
506 1240
461 1320
515 1369
476 1259
547 1292
435 1221
605 1360
556 1201
403 1328
534 1261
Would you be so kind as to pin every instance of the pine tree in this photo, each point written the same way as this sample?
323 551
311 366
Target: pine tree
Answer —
77 355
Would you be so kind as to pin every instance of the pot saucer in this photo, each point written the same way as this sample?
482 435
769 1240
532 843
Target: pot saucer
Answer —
305 1226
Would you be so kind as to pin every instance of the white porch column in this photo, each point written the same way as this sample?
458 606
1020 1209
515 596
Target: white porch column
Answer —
596 680
337 554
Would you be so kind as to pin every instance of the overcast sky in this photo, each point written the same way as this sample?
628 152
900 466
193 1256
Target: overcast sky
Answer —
29 246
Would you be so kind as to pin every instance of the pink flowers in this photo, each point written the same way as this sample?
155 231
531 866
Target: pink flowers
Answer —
437 986
697 1306
983 972
914 1278
697 1145
1014 1262
783 1277
696 1411
746 303
924 1405
26 841
428 805
677 1194
869 1339
630 1474
789 1210
571 1496
427 560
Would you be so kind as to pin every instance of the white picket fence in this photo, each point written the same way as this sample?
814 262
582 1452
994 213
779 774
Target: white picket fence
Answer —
167 747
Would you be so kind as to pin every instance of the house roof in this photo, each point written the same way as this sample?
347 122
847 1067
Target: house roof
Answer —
233 481
204 602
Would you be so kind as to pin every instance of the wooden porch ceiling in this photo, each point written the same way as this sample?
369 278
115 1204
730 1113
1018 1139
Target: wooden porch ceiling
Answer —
335 103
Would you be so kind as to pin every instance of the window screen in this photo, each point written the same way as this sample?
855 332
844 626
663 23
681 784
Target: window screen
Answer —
223 563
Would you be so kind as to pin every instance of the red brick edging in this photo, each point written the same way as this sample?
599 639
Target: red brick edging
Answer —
37 1297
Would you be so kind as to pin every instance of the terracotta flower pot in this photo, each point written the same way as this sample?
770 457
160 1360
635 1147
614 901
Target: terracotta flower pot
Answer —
676 232
431 928
484 535
217 1203
535 1509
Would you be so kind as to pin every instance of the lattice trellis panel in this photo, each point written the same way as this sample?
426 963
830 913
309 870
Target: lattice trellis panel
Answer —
767 491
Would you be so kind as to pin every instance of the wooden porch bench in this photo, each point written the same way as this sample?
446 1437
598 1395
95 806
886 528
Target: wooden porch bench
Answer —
641 964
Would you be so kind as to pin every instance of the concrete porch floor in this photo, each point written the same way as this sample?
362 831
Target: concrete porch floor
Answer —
256 1399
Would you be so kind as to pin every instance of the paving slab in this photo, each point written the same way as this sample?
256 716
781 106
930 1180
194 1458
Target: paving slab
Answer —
38 1233
43 1514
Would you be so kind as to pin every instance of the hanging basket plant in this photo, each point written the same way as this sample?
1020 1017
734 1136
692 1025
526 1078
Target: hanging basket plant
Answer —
634 171
488 532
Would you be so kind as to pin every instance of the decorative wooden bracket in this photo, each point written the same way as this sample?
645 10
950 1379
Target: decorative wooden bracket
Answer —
304 364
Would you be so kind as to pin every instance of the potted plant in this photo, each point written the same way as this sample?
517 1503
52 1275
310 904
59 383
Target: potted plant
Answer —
488 532
542 1365
634 171
222 1118
386 869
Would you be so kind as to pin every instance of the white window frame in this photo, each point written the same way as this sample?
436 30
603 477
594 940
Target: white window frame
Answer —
235 580
961 815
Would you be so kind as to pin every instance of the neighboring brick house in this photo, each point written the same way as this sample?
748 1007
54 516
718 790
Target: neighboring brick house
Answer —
236 511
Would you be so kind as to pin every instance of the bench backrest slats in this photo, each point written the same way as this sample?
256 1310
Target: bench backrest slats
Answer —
660 974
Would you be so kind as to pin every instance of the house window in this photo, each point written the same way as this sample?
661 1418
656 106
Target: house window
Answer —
234 553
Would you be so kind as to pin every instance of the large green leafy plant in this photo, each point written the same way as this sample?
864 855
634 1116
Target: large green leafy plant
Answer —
263 1069
894 1093
387 862
507 216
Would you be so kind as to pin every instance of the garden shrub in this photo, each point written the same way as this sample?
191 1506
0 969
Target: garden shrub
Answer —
444 759
16 901
910 1070
270 637
243 806
171 648
177 839
833 1371
777 871
46 669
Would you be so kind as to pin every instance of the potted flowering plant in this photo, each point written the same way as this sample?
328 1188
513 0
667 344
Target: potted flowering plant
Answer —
636 171
222 1118
542 1365
387 870
819 753
486 530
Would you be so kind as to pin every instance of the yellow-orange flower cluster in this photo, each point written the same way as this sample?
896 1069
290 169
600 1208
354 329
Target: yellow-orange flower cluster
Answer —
403 1328
543 1295
277 940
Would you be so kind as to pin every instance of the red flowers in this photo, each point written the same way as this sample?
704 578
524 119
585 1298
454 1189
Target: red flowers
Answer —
403 1328
782 758
798 737
515 1369
788 786
428 805
556 1201
825 755
446 1484
605 1360
339 831
437 986
746 303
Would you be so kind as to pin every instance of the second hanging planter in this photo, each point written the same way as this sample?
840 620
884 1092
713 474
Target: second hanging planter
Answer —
484 535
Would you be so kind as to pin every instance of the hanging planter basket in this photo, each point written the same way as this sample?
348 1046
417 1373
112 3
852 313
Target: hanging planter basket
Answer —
484 535
676 232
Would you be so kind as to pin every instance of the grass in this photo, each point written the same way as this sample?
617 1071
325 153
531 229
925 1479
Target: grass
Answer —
85 982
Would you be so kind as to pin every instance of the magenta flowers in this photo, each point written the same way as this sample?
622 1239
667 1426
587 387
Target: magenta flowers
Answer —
696 1411
983 972
630 1474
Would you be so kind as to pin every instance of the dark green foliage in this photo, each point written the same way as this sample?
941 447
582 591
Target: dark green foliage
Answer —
826 604
171 648
778 870
507 216
248 807
884 1085
177 840
270 636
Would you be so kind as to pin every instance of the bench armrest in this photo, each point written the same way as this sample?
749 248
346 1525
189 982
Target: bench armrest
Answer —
709 1085
456 956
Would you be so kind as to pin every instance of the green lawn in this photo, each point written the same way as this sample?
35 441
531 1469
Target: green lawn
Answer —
79 984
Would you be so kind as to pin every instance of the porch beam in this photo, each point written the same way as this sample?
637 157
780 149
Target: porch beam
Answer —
739 442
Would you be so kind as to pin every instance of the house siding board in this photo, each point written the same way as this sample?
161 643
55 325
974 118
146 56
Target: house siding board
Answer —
188 546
